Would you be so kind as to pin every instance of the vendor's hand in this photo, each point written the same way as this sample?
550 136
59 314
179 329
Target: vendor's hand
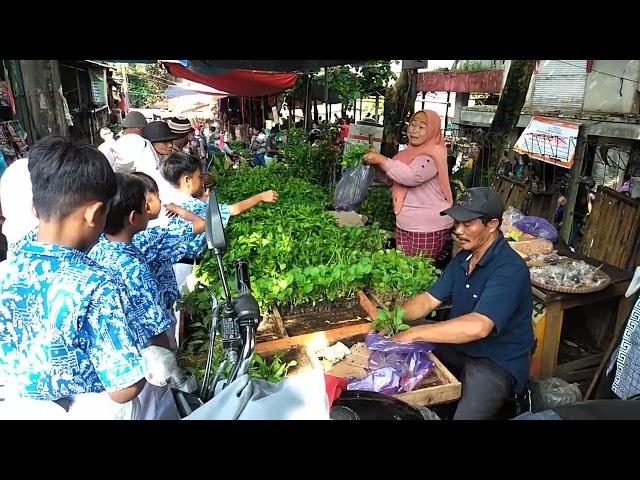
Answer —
374 158
405 337
270 196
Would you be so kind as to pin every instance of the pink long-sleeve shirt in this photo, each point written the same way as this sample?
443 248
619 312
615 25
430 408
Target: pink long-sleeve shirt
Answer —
425 199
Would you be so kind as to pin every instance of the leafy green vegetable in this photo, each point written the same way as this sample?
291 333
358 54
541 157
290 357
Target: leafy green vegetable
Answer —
273 372
378 207
354 154
390 323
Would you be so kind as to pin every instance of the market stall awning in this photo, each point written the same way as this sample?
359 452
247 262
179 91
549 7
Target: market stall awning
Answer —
192 88
207 67
247 83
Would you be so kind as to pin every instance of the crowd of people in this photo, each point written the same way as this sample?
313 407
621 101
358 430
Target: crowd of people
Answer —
100 242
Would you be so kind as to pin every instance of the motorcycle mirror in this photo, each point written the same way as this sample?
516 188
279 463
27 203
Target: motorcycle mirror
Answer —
216 239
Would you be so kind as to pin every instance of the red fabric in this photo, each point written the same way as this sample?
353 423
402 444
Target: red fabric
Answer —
421 243
334 387
344 131
248 83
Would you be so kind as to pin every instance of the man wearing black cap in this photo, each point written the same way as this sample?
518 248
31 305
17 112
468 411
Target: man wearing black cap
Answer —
487 340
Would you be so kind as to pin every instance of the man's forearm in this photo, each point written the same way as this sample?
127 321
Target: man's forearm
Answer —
463 329
420 306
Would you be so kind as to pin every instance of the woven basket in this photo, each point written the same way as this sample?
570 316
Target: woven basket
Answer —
573 289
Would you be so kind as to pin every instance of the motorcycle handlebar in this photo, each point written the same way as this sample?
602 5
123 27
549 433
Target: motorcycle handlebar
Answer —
243 280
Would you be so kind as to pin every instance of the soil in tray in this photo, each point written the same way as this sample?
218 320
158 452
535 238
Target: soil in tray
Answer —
304 323
286 310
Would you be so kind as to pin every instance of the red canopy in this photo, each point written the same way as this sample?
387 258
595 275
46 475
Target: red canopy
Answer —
248 83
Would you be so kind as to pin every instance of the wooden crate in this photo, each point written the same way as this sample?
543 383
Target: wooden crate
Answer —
440 386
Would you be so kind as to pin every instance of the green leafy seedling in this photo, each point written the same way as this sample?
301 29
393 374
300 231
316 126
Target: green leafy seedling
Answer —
390 323
273 372
353 155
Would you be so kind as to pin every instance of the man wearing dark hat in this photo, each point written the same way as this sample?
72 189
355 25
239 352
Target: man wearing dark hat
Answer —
162 138
487 340
133 123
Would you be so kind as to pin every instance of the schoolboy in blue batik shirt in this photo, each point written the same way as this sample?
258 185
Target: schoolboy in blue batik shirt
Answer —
114 251
184 173
63 327
162 247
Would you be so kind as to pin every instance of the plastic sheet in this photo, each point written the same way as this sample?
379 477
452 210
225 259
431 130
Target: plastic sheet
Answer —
538 227
395 367
353 187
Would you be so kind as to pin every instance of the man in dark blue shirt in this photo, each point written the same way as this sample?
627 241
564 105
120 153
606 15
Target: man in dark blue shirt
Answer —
489 336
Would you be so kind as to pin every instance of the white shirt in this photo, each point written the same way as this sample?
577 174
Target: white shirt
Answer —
105 148
17 201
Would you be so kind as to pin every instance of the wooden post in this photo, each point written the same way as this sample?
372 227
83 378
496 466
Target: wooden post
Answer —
446 112
572 190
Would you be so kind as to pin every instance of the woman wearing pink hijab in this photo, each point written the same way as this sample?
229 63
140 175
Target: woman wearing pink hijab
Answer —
420 188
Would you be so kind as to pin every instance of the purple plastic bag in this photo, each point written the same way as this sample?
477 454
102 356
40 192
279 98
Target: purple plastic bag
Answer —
394 367
538 227
353 187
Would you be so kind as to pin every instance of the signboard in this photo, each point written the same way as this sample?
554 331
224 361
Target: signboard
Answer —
98 86
360 134
549 140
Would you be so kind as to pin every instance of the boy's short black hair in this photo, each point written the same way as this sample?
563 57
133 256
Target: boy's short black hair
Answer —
131 197
177 164
67 174
150 184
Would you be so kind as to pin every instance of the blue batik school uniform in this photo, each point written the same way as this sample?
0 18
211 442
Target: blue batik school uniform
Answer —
162 248
63 326
126 261
196 247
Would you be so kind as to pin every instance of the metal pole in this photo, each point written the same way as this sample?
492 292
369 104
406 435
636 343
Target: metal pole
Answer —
377 103
423 95
326 96
572 190
446 112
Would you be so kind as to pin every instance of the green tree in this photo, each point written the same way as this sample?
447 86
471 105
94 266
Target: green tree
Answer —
509 107
147 83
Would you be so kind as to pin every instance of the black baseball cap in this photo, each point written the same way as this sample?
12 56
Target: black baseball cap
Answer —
475 203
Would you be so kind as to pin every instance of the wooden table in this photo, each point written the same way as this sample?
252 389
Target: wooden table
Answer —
545 361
